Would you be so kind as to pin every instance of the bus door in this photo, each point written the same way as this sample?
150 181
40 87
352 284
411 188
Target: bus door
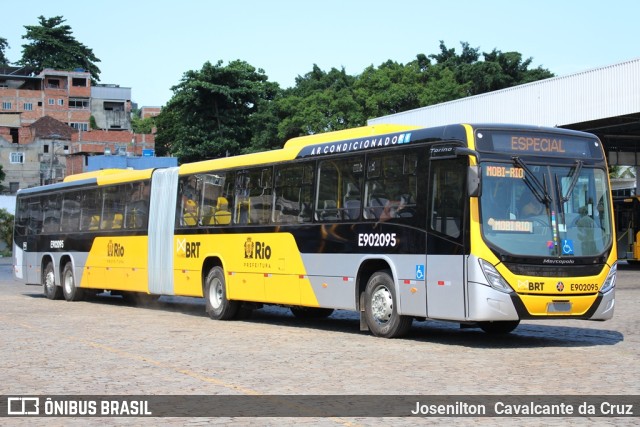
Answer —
445 265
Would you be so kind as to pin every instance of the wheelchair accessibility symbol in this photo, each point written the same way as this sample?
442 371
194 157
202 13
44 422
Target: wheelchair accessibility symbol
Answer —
567 247
420 272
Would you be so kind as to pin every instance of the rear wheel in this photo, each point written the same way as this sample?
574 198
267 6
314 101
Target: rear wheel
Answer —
51 291
69 289
381 309
215 294
497 328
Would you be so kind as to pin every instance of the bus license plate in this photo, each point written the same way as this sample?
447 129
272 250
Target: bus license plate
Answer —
559 307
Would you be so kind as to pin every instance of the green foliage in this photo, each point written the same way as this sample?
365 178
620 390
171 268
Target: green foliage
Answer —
4 62
92 123
233 109
139 125
211 113
6 228
53 46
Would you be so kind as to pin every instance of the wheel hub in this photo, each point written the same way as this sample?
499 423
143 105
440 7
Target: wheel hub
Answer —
215 293
382 305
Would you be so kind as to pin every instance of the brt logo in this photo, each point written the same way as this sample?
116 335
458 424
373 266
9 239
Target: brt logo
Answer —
115 249
256 250
190 249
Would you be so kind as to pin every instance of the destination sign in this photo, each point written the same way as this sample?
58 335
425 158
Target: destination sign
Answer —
538 144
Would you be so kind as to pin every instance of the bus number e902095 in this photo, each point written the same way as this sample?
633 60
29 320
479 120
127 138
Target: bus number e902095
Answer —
376 239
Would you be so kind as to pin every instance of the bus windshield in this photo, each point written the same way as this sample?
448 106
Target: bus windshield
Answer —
545 210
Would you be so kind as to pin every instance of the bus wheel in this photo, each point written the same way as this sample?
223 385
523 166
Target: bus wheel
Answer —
311 312
69 289
51 291
381 311
499 327
215 295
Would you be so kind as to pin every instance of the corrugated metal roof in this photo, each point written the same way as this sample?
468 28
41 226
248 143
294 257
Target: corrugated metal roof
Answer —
603 92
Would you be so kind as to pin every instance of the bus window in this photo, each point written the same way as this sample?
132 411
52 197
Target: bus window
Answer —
70 220
35 216
90 210
137 211
339 189
113 207
293 188
51 207
390 189
214 205
190 189
253 197
22 217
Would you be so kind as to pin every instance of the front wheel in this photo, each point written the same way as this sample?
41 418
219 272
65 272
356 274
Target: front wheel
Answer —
69 289
51 291
497 328
215 294
381 308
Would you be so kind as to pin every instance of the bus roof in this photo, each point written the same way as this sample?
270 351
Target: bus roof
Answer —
339 135
292 148
111 176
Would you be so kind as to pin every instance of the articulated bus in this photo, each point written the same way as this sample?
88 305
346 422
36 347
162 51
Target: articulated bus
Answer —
481 225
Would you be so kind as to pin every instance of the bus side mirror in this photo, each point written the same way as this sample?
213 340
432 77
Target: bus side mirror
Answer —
474 183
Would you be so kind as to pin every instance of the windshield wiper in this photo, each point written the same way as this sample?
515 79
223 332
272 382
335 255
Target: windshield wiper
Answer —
574 181
538 190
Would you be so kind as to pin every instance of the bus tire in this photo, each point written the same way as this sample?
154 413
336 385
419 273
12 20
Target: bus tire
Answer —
381 310
498 328
51 290
69 289
215 294
311 312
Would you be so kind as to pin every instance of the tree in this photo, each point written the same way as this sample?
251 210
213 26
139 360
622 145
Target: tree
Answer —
53 46
320 102
140 125
498 70
213 111
6 229
4 62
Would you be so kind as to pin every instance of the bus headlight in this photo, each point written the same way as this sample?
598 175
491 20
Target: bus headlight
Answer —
495 279
610 282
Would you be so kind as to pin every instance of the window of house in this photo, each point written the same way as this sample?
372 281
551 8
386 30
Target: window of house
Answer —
52 101
6 105
80 126
16 157
54 83
79 103
28 106
79 82
60 101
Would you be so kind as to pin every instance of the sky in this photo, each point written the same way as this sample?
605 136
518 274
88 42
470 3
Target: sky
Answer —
149 45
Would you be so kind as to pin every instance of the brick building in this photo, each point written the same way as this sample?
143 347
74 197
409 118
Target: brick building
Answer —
45 125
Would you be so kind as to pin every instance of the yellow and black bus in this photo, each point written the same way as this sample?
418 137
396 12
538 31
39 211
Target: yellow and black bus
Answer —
482 225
